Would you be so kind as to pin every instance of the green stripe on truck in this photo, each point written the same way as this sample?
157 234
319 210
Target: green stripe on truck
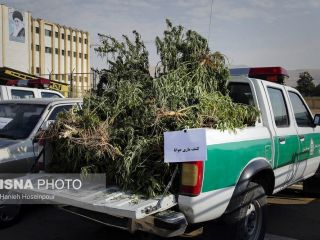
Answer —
226 161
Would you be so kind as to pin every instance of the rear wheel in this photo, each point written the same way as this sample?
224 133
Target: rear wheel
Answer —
248 221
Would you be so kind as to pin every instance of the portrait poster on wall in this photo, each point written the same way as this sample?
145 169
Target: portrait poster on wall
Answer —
17 31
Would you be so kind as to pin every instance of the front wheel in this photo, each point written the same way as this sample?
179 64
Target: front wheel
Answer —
9 214
248 221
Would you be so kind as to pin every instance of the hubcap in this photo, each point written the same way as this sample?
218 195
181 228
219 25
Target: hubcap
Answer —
253 220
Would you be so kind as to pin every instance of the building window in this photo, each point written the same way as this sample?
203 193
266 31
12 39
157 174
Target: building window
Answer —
85 41
69 53
56 34
74 38
38 48
57 51
62 35
48 50
69 37
37 70
74 54
37 30
85 56
47 33
80 55
62 52
80 40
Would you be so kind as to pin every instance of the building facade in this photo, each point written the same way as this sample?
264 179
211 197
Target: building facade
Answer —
42 48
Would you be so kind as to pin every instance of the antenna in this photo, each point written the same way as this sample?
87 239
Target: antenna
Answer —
209 31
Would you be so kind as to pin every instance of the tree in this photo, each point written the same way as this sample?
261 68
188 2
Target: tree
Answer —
305 84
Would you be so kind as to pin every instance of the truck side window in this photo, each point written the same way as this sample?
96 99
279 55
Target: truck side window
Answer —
241 93
49 95
57 110
301 113
279 107
19 94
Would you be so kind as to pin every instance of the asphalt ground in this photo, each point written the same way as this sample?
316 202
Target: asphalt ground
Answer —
291 215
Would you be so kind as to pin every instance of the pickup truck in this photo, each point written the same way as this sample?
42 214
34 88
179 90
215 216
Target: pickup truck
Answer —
241 169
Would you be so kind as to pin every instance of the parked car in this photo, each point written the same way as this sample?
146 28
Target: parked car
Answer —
13 92
20 121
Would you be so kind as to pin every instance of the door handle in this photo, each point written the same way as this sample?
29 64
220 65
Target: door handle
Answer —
301 137
282 140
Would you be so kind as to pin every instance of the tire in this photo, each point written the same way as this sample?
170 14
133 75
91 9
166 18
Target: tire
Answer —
9 214
248 221
311 185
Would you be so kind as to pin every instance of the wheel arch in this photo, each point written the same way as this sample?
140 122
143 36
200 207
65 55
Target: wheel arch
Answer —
258 170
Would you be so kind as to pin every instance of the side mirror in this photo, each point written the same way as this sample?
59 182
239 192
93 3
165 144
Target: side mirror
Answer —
46 124
316 120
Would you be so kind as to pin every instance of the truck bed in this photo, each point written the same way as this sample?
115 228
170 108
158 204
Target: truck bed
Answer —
110 200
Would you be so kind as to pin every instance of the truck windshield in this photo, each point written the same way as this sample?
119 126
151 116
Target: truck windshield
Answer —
18 120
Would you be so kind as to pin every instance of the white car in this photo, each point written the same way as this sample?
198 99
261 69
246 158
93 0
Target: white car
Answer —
20 121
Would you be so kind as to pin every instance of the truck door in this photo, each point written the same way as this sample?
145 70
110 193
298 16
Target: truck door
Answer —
308 157
286 141
52 115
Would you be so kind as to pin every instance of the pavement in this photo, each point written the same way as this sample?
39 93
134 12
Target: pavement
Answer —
292 216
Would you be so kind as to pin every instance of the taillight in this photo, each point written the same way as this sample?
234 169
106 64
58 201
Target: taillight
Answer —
191 178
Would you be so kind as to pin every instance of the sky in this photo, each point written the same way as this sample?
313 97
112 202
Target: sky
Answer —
248 32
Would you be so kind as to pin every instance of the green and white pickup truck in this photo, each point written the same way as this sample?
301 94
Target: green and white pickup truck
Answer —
242 167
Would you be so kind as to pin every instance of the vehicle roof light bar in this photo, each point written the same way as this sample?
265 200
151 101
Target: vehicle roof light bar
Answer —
42 83
272 74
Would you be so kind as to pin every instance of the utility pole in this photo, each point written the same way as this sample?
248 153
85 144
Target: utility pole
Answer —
94 80
71 85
